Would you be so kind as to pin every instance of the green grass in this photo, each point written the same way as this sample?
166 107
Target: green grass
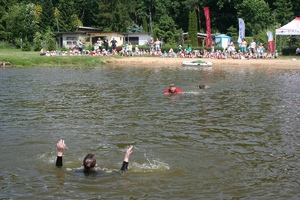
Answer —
18 58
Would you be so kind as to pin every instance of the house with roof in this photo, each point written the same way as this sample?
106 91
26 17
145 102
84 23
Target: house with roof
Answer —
137 38
89 37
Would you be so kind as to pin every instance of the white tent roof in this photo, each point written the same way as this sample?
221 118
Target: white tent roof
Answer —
292 28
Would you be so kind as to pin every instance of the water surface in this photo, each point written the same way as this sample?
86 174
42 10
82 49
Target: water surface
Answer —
239 139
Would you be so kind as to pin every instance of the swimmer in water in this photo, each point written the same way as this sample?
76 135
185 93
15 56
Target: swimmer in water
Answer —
203 87
173 90
89 161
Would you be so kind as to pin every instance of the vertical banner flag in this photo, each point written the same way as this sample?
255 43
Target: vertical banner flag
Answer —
270 42
241 30
208 29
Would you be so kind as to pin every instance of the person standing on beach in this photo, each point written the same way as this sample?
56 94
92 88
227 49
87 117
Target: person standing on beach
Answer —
252 47
243 46
80 46
99 42
106 44
157 45
113 44
151 44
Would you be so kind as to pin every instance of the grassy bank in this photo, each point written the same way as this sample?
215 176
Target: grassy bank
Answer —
18 58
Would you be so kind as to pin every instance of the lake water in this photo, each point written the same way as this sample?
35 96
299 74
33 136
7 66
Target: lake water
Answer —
238 139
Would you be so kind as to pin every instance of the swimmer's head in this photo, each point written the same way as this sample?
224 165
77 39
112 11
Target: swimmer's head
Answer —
202 87
89 162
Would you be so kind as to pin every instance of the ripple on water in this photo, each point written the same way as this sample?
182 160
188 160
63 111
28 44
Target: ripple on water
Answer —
238 138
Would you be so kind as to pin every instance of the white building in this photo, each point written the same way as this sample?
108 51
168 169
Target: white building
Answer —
89 37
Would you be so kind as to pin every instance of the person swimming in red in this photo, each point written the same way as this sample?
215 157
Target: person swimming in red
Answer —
173 90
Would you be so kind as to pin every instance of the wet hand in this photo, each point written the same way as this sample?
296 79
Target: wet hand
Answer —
60 147
128 153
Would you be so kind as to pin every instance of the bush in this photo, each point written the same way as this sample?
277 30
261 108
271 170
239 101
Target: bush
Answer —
17 42
26 46
64 48
6 45
217 48
37 46
167 47
289 51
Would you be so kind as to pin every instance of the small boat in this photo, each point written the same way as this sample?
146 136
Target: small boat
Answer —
196 63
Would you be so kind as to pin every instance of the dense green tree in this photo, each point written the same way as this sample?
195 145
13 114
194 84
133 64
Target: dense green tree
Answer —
283 11
256 14
20 22
136 10
84 10
4 5
165 29
155 12
224 15
164 18
144 10
44 40
112 15
231 31
296 8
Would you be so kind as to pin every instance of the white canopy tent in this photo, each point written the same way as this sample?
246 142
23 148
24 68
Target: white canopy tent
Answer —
291 28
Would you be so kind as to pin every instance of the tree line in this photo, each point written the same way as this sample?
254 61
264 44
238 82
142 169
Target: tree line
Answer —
36 21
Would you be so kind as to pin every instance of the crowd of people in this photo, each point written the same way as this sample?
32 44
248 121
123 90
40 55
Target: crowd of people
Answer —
101 48
251 51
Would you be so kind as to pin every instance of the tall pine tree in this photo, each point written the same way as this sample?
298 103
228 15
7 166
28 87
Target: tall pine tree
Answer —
112 15
192 32
145 25
66 16
47 16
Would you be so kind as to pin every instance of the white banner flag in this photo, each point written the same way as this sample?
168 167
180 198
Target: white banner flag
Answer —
270 41
270 36
241 30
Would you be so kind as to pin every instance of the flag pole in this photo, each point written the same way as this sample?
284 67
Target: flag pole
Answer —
275 45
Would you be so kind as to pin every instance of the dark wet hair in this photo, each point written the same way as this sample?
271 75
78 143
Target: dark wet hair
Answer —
202 86
89 162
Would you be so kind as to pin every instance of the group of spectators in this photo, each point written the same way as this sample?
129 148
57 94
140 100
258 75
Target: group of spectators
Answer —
100 48
251 51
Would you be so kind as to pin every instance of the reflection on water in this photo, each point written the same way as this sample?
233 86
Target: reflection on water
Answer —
238 139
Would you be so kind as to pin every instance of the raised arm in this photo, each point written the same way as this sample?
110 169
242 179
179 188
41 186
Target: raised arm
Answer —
60 150
126 159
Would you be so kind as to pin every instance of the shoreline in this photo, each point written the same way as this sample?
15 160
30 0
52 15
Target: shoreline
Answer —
218 63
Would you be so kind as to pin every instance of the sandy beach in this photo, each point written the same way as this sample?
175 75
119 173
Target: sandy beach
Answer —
218 63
